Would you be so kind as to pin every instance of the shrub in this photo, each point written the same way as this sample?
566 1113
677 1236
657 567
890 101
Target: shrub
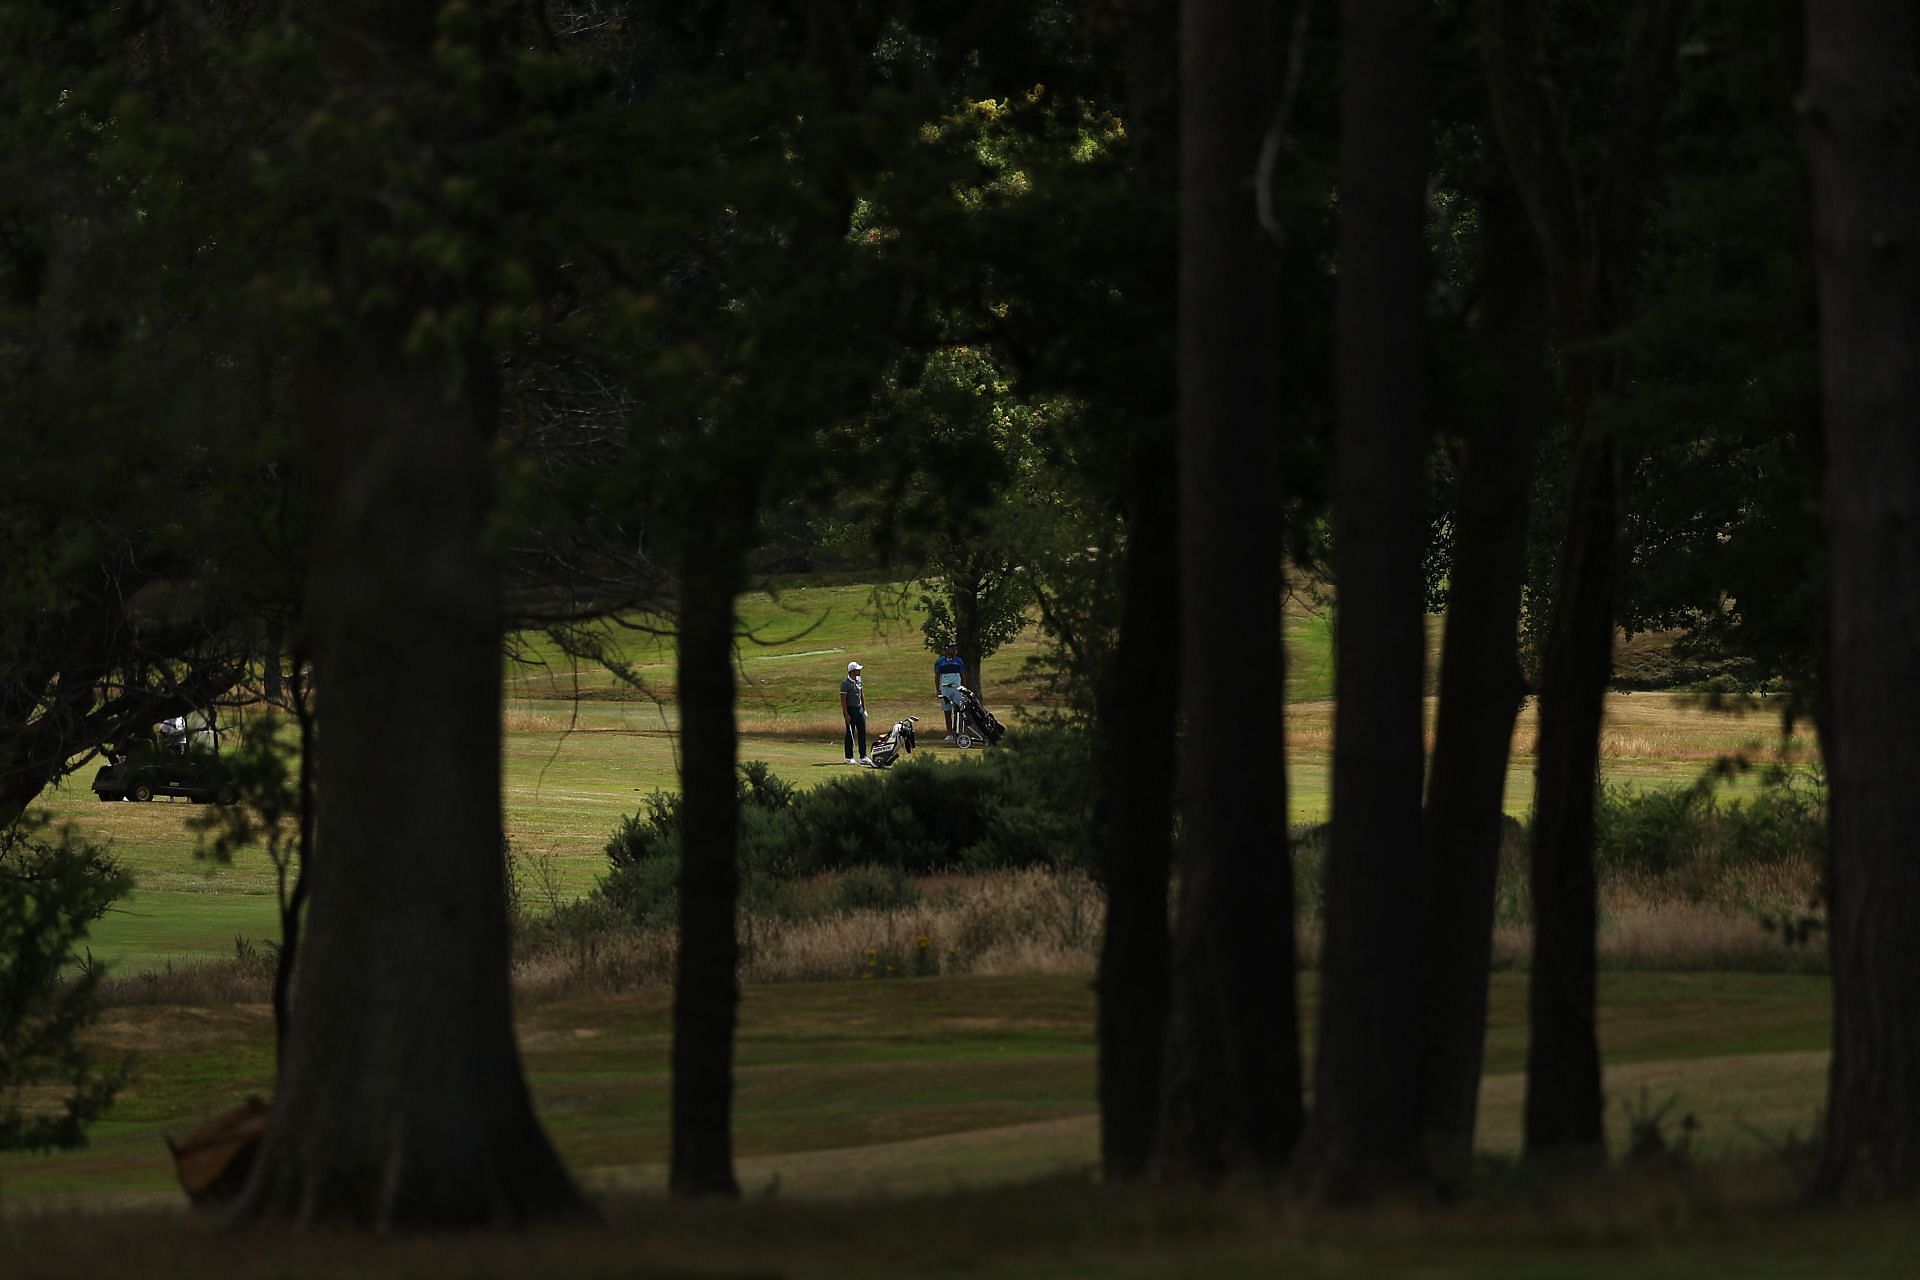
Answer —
647 892
1023 805
1651 831
50 893
1663 833
873 889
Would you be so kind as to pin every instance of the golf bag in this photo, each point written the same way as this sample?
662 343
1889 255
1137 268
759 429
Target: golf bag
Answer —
888 746
972 722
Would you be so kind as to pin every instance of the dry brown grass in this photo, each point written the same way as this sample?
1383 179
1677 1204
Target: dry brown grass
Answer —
1677 728
205 984
799 725
516 720
1046 922
1674 937
1032 921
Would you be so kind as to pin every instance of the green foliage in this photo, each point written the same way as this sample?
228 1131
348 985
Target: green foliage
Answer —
262 766
873 889
1020 805
51 1088
1664 832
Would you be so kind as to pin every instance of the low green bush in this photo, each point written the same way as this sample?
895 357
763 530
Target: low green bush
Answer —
1663 832
1656 832
52 1083
1024 804
873 889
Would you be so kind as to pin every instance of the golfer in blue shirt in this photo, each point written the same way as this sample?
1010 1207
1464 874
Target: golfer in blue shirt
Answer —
947 670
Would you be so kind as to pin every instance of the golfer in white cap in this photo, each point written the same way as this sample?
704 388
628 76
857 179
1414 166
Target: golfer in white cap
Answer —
853 711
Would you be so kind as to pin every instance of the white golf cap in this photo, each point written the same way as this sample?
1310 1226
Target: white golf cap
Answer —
853 666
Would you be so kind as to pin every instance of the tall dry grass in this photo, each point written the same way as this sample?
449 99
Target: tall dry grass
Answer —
1033 921
1050 922
203 984
1706 911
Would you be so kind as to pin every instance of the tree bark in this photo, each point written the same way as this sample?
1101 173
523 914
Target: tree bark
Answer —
1480 682
1367 1088
1589 226
1863 140
1138 711
966 628
706 989
293 905
1232 1084
402 1103
1564 1105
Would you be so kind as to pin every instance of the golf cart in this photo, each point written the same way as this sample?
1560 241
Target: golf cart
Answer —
182 759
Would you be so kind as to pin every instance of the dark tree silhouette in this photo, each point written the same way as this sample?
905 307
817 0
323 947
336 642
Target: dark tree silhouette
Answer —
1481 685
1137 703
706 989
402 1103
1588 222
1862 113
1232 1087
1367 1086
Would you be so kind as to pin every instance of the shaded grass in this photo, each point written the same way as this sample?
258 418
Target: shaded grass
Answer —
1700 1224
846 1066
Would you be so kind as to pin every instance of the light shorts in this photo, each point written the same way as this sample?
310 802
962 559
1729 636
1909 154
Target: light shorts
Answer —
950 696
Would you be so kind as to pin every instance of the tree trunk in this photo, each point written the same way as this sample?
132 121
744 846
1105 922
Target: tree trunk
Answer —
293 905
1863 139
402 1103
706 989
1138 713
966 631
1367 1086
1232 1085
1480 682
1138 708
1564 1105
1589 226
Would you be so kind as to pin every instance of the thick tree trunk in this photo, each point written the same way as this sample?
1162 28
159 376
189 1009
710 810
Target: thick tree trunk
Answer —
402 1103
706 990
1138 709
1134 816
1564 1105
1480 682
1232 1085
1367 1086
1863 139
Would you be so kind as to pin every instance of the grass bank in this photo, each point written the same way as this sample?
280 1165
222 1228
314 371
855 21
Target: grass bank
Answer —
864 1086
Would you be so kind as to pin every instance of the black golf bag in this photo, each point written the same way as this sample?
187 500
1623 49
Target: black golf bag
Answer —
888 746
972 722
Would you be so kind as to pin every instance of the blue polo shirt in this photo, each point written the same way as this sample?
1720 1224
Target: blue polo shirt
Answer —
944 666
